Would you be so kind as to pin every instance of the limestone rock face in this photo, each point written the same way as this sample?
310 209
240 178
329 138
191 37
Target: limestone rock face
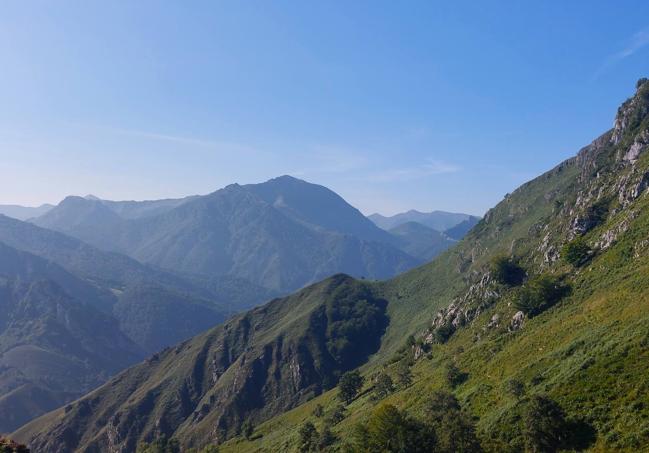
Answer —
517 321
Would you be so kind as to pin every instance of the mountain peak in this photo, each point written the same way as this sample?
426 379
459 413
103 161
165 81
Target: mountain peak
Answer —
632 113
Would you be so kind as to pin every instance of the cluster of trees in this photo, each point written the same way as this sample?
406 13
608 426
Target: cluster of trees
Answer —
355 321
9 446
444 428
351 383
576 252
506 271
541 293
166 445
313 441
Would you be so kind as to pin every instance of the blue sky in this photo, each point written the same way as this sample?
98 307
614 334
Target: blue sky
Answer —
394 105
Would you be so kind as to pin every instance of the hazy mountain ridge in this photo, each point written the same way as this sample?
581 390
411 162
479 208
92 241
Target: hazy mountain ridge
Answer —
437 220
421 241
24 212
54 346
118 276
586 351
282 234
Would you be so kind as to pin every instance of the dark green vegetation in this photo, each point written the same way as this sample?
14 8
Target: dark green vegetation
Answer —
576 252
505 270
280 235
571 375
349 386
541 293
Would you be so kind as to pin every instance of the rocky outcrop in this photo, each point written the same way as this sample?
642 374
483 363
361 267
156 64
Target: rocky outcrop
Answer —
517 321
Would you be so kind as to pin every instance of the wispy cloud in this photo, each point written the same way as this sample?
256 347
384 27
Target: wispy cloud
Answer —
429 168
167 138
637 42
330 159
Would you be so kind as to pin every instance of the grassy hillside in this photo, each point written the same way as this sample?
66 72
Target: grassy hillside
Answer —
588 352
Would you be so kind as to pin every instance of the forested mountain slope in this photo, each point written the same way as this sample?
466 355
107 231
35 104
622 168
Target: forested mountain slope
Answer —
55 343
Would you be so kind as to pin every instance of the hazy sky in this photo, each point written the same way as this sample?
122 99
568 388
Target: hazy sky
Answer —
394 105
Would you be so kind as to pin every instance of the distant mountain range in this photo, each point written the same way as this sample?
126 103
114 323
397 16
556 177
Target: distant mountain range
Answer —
281 234
92 285
437 220
421 241
24 212
72 315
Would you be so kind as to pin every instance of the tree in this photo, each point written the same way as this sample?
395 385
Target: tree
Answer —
576 252
544 424
390 430
308 437
455 430
541 293
515 388
210 449
337 415
247 429
318 410
410 341
161 445
349 386
404 374
454 376
383 386
507 271
439 404
326 438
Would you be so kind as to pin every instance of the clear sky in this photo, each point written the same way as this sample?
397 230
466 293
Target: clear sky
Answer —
394 105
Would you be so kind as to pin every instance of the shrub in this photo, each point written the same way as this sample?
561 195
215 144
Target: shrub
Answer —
308 437
404 374
161 445
541 293
443 333
507 271
455 431
544 424
326 438
390 430
454 376
318 410
247 428
349 386
576 252
515 388
336 416
383 386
